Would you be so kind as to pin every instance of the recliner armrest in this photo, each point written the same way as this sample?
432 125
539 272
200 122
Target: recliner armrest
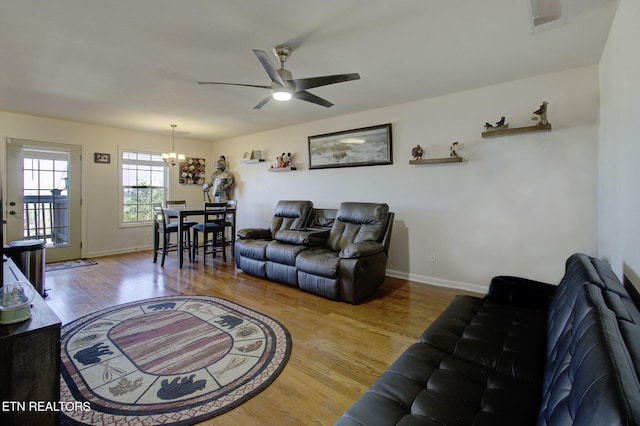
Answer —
254 234
361 249
521 292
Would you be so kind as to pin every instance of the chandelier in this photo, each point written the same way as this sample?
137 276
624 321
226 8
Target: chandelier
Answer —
170 158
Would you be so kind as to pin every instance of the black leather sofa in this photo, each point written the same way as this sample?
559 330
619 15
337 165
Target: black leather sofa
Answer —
528 353
338 254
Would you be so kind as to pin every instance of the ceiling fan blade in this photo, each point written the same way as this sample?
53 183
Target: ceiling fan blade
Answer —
235 84
262 102
268 66
310 83
310 97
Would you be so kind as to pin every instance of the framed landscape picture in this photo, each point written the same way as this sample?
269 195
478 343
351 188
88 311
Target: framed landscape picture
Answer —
368 146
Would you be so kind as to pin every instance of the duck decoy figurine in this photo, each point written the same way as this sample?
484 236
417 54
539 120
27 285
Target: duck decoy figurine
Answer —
542 114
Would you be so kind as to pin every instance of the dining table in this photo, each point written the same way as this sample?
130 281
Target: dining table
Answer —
182 214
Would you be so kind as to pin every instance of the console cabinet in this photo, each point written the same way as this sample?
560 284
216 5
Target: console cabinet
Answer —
29 363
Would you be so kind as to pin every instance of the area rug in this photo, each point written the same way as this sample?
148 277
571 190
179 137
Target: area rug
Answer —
173 360
56 266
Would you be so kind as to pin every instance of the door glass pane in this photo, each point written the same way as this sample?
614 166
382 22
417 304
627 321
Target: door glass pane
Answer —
46 197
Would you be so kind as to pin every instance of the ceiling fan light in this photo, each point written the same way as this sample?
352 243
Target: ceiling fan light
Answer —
281 95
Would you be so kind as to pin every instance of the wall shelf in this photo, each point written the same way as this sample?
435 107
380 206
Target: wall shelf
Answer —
438 160
281 169
517 130
253 161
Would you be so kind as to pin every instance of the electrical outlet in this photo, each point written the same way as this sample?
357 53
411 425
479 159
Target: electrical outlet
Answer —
432 257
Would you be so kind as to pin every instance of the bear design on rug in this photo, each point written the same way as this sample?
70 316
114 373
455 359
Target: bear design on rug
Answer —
229 321
163 306
179 387
91 355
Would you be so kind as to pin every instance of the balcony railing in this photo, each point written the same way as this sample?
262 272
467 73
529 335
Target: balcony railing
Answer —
46 217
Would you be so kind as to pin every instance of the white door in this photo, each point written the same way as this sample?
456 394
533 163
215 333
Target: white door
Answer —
44 196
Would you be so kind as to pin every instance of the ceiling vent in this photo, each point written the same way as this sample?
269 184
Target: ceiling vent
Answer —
548 14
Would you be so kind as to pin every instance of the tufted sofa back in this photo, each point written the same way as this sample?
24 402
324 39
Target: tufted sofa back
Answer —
290 214
593 355
358 222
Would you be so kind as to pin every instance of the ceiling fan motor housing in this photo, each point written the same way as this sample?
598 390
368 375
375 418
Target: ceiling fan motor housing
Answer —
286 77
282 52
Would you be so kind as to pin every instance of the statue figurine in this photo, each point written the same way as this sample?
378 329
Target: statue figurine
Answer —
453 150
417 152
221 181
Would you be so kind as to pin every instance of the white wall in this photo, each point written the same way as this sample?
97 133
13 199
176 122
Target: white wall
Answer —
100 192
619 144
517 205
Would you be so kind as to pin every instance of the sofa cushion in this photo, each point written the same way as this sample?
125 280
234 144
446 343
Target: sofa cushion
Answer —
290 214
319 261
579 271
592 376
321 286
427 386
252 266
283 253
507 339
306 237
252 249
361 249
282 273
357 222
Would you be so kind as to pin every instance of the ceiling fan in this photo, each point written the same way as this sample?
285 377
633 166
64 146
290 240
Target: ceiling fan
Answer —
284 86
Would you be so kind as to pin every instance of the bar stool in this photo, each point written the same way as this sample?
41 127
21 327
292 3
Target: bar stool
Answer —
187 224
233 206
164 229
214 224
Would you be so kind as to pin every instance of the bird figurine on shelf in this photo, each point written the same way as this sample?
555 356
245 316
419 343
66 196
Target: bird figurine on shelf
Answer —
499 125
541 114
417 152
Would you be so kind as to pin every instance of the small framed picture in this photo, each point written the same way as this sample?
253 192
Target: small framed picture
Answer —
99 157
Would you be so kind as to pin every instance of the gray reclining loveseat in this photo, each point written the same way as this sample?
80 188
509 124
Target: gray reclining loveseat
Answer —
343 257
251 243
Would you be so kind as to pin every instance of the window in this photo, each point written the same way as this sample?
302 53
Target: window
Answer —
143 183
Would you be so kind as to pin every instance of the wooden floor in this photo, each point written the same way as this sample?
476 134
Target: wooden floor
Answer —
338 349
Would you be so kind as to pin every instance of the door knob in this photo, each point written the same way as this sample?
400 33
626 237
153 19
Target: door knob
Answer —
12 212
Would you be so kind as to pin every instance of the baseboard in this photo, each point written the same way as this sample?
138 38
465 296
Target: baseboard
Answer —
438 281
118 251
